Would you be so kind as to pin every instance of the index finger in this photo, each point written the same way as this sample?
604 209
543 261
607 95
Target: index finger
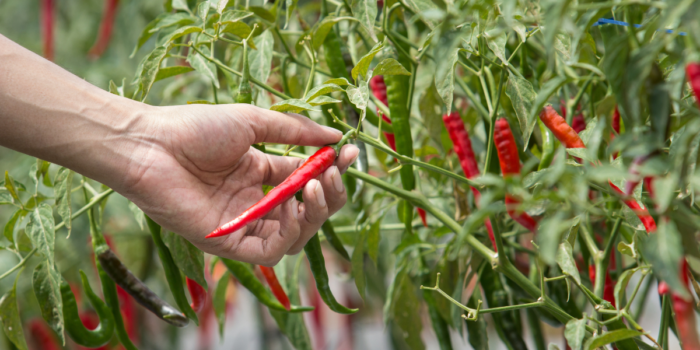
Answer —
290 129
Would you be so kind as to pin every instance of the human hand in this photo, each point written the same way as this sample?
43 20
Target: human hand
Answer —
193 170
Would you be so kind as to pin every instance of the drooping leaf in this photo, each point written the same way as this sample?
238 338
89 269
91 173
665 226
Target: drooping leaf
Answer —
621 285
62 191
373 237
9 316
293 106
522 95
496 41
150 68
219 301
187 257
260 60
9 229
366 12
406 315
445 79
47 288
203 66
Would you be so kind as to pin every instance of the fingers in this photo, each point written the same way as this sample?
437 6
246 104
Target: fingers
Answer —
348 155
291 129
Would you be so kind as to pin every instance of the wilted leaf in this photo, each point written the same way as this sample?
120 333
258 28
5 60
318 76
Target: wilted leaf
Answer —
40 230
366 12
62 191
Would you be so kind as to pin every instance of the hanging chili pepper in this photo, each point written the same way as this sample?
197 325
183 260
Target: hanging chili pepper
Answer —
463 148
609 286
106 26
172 272
510 165
197 293
74 326
547 146
378 87
578 123
684 311
245 275
275 286
312 167
616 121
561 130
334 240
643 214
41 335
317 263
693 71
47 24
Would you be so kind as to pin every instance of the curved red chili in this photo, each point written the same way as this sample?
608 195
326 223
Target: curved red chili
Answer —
312 167
275 286
643 214
684 311
198 294
465 153
508 157
561 130
379 91
106 26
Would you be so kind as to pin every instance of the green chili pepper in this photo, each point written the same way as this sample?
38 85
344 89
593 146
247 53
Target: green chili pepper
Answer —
334 240
74 326
505 322
109 288
318 268
245 93
172 272
548 146
244 274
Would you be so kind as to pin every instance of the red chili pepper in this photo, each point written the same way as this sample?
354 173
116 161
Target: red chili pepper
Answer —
379 91
47 14
616 120
41 335
463 148
578 123
510 165
561 130
693 71
106 26
312 167
198 294
609 287
275 286
685 312
643 214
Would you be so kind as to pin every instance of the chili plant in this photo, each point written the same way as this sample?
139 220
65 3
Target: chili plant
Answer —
442 98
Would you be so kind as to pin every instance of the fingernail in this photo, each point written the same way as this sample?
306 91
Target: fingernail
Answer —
337 180
333 130
318 191
295 208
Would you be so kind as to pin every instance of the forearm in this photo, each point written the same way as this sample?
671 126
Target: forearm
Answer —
49 113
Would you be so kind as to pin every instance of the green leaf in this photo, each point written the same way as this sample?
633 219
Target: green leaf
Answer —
338 81
203 10
291 5
180 5
40 230
150 69
10 226
430 107
166 40
187 257
62 191
445 79
147 34
9 316
322 90
202 65
664 251
172 20
549 236
322 28
358 263
219 301
168 72
522 95
423 8
47 288
260 60
292 106
566 262
323 100
621 285
373 237
233 16
139 216
10 187
359 96
364 62
262 13
496 41
241 30
390 66
221 6
612 337
366 12
581 153
478 332
407 315
574 332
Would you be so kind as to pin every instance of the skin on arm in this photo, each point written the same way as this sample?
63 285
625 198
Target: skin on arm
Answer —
190 168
